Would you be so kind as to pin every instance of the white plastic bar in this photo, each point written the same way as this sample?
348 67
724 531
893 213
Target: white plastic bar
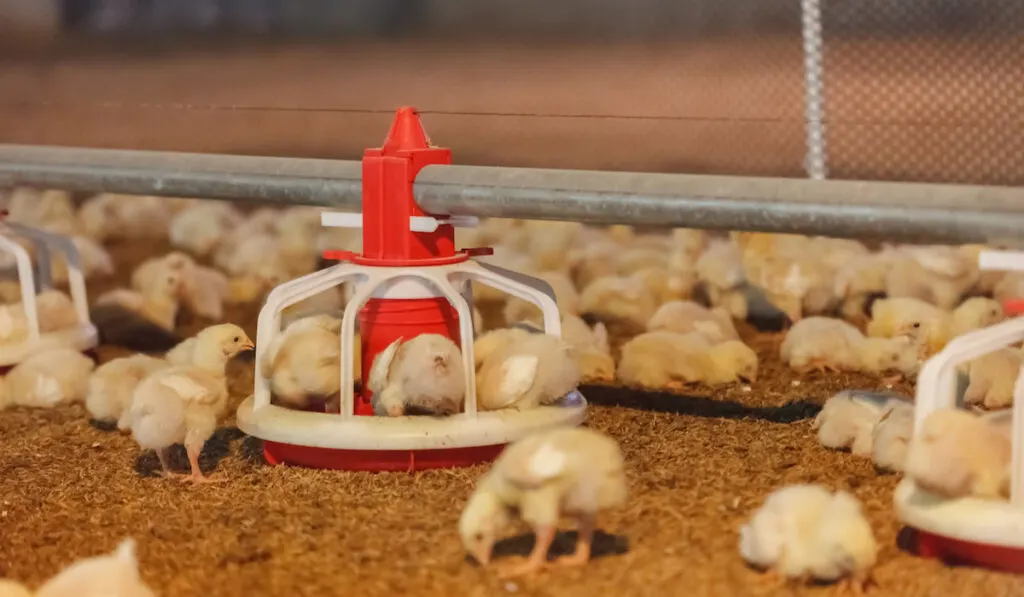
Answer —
69 252
521 286
341 219
1001 260
814 100
1017 463
25 279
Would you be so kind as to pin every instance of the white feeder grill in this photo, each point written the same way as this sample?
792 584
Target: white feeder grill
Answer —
979 521
347 431
81 337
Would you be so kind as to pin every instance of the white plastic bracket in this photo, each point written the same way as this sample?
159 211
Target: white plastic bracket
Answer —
430 223
341 219
1001 260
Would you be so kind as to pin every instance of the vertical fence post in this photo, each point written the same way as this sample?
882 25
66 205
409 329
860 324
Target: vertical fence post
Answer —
814 112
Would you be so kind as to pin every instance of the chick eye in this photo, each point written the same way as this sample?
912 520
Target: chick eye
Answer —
237 338
479 536
917 324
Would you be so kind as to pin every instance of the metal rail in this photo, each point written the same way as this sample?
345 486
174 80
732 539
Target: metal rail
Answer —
897 211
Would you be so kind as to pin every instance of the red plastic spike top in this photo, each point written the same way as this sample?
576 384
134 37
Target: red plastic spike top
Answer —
388 204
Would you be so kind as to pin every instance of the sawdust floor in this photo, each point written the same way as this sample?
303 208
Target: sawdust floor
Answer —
698 465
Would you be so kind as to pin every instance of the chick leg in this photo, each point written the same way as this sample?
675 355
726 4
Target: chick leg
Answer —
545 536
197 475
165 468
584 539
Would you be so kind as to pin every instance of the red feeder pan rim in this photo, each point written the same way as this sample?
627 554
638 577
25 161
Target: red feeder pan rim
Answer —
958 551
1013 306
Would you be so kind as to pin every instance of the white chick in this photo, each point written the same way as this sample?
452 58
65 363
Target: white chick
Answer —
847 420
575 472
110 388
50 210
805 532
958 454
49 378
829 344
859 280
260 223
992 379
656 359
618 299
665 283
975 313
158 304
517 309
199 228
303 364
534 370
182 403
54 310
684 317
720 270
891 437
424 373
112 575
115 217
202 290
938 275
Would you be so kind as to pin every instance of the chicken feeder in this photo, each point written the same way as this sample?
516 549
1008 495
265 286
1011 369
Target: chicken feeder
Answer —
36 277
409 280
982 532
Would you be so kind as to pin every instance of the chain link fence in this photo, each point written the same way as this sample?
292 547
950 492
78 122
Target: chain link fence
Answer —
924 90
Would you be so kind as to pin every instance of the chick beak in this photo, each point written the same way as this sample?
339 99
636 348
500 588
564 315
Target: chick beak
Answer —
482 553
248 345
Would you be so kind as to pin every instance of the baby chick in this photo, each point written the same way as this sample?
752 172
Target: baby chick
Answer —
533 370
847 420
859 280
199 228
958 454
182 403
54 310
720 271
158 304
618 300
425 373
202 290
488 342
825 343
935 274
656 359
805 532
992 379
574 472
49 378
975 313
891 437
684 317
112 575
51 210
593 351
110 389
108 217
95 261
517 309
892 317
303 364
10 588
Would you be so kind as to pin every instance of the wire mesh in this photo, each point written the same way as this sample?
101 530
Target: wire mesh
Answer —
925 90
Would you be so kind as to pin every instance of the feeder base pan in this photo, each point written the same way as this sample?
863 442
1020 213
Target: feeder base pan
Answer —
986 533
367 443
81 338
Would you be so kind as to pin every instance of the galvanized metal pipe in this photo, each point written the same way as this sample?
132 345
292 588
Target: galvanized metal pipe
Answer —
897 211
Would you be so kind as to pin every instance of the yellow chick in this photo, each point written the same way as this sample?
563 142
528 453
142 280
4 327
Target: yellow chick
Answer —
575 472
975 313
720 271
199 228
859 280
258 224
683 317
297 229
51 210
182 403
890 439
592 261
107 217
687 245
534 370
993 378
618 300
896 316
112 575
805 532
54 310
202 290
958 454
568 299
547 244
49 378
656 359
159 304
303 363
666 284
848 419
828 344
487 343
108 396
592 349
935 274
423 374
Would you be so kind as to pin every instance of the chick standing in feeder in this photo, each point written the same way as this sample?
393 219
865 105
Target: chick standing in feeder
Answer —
422 374
49 378
111 575
303 363
109 395
804 532
958 454
534 370
656 359
574 472
181 404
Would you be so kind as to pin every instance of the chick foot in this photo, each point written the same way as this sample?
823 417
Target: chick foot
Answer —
584 539
199 479
197 475
545 536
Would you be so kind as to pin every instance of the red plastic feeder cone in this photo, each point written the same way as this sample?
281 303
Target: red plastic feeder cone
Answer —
409 280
